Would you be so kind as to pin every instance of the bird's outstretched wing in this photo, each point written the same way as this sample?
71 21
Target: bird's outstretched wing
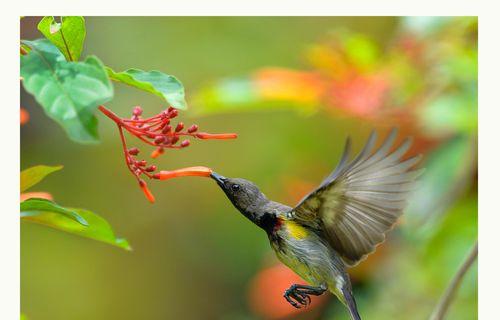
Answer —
361 199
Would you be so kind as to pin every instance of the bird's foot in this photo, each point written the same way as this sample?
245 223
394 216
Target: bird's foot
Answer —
297 298
299 295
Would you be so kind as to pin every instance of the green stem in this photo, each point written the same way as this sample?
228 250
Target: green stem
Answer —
448 296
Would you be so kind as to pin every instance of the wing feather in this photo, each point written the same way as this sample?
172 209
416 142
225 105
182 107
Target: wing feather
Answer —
361 200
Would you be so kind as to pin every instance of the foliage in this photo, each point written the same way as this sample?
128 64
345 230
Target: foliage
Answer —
34 175
77 221
165 86
70 93
98 228
70 90
68 35
33 207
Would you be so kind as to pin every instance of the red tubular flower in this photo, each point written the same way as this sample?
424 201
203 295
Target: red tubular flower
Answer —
219 136
146 191
184 172
157 131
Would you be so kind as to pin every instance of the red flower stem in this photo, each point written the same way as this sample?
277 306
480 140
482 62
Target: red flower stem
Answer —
141 131
152 124
124 147
142 120
128 158
110 114
145 141
150 132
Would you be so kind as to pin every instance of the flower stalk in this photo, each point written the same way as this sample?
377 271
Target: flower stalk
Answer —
159 132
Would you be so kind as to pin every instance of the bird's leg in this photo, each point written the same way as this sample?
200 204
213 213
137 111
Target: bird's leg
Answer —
298 295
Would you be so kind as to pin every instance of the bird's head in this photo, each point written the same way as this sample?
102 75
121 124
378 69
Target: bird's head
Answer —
244 195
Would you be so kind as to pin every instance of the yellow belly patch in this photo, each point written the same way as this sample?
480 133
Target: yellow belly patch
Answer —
296 230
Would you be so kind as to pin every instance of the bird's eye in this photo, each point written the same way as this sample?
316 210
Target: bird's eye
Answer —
235 187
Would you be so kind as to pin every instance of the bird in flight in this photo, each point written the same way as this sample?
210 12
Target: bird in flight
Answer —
339 223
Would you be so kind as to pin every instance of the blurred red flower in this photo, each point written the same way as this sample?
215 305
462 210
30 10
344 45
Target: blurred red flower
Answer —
361 95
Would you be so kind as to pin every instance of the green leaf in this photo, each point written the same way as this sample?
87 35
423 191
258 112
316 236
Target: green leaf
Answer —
34 175
68 36
450 113
98 228
34 206
69 92
163 85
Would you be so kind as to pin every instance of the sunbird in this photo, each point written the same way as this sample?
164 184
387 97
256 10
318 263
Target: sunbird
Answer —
339 223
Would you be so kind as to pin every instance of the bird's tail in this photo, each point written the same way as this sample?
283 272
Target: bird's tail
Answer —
351 304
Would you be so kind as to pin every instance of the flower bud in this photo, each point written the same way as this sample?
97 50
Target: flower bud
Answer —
174 113
141 163
179 127
133 151
137 111
167 129
159 139
193 128
150 168
185 143
174 140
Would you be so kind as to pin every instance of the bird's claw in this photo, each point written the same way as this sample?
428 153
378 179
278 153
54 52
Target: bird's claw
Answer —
297 297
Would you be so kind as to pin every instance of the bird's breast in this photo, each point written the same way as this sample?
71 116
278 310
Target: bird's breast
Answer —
295 230
286 233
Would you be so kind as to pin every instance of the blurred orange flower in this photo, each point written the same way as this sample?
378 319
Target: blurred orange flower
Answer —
41 195
25 116
289 85
266 293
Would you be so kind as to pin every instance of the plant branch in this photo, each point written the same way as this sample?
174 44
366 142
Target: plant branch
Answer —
157 131
448 296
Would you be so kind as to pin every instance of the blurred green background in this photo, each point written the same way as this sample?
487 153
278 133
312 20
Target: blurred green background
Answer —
194 256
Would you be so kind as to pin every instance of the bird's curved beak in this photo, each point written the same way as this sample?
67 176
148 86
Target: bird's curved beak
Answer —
218 178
